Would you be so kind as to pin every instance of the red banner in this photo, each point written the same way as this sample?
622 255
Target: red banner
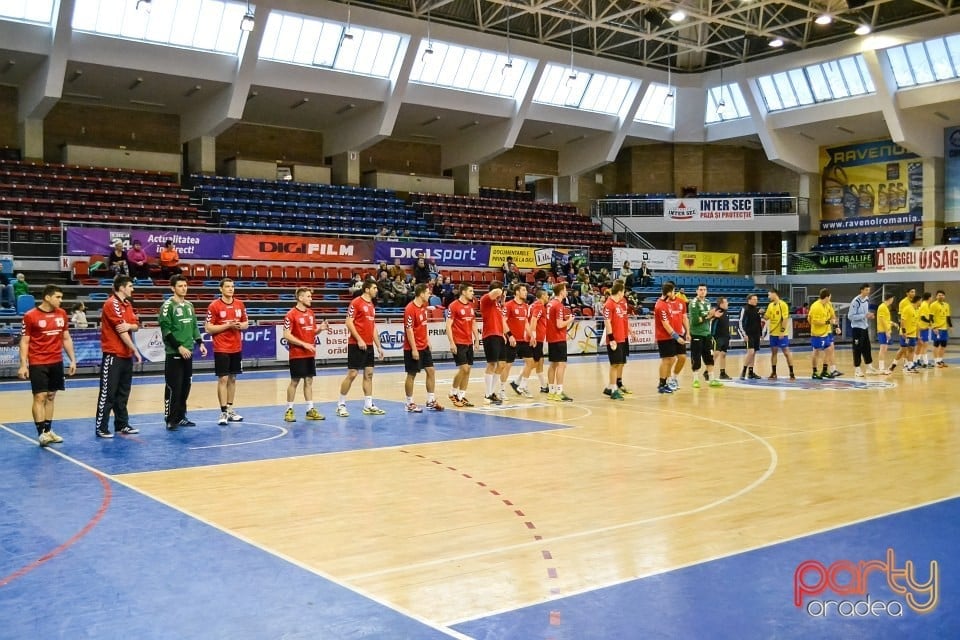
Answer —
301 249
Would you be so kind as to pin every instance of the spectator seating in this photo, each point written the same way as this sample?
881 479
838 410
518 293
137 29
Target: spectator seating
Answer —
951 235
864 240
247 204
651 204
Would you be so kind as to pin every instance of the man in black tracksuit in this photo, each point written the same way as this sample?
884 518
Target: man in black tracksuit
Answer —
178 325
751 326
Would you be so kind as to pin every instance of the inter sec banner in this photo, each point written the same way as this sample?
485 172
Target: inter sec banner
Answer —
706 209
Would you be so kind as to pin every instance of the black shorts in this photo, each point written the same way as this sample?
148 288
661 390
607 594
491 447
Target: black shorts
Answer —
701 351
524 350
670 348
227 364
510 353
45 378
413 367
722 343
463 355
618 355
358 358
303 368
557 351
752 342
493 347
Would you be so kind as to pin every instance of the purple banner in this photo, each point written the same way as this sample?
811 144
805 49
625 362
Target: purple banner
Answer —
85 241
446 255
258 342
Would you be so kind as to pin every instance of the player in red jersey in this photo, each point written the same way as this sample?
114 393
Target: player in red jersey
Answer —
518 342
559 317
361 323
491 313
537 330
300 331
464 337
226 322
416 349
680 321
669 340
44 338
616 328
118 322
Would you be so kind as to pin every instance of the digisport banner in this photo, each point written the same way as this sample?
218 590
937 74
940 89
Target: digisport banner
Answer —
939 258
862 183
446 255
951 187
86 241
708 209
844 261
301 249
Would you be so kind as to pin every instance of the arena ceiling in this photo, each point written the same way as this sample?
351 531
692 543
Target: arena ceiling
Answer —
713 34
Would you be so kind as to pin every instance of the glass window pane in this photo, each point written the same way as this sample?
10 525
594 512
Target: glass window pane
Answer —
785 89
484 72
868 85
851 73
937 52
327 45
739 104
289 36
835 81
769 92
160 23
367 54
386 55
800 86
305 45
208 25
186 23
85 15
450 66
36 10
953 46
901 67
655 107
917 55
228 41
110 17
349 49
818 84
466 68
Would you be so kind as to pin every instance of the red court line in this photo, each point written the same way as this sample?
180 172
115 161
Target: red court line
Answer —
50 555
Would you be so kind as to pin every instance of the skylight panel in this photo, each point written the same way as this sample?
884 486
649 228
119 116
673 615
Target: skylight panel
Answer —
831 80
467 69
725 103
657 106
40 11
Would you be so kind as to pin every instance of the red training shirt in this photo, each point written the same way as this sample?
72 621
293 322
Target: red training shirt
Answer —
517 319
463 318
303 326
616 314
491 312
45 330
219 313
363 314
556 310
538 311
115 312
415 319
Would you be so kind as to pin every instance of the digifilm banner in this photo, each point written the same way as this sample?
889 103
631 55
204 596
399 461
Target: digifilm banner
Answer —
301 249
863 183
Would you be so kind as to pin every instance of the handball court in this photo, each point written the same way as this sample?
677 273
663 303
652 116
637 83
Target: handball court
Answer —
682 516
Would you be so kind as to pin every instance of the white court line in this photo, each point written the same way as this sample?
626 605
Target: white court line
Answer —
599 530
388 605
283 432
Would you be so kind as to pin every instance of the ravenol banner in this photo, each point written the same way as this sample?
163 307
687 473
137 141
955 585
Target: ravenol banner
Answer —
867 181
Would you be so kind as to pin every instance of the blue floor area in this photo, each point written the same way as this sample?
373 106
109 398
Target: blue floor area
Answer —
147 571
751 595
264 435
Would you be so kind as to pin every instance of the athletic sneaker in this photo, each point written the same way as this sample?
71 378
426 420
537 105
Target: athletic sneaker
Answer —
816 376
373 410
342 411
857 373
834 374
553 397
754 376
664 389
715 384
526 393
696 383
413 407
54 438
186 422
544 389
673 384
129 431
493 399
516 388
223 420
106 434
466 403
233 416
313 414
793 378
607 392
942 364
433 405
616 395
625 391
872 371
44 439
562 397
724 376
772 376
288 416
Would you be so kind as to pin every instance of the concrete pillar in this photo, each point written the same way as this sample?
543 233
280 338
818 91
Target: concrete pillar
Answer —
346 168
933 200
30 134
466 180
202 155
568 189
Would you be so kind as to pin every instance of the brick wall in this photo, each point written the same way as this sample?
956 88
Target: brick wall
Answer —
519 161
108 127
401 156
8 117
269 144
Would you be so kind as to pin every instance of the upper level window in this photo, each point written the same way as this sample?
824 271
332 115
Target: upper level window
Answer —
208 25
450 65
925 62
831 80
725 103
27 10
301 40
566 87
657 105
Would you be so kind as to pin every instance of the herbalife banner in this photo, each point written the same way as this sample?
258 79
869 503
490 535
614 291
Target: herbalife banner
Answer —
708 209
951 210
870 184
845 261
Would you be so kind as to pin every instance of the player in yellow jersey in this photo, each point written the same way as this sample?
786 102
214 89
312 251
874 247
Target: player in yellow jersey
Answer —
924 335
908 336
820 331
829 369
884 331
941 326
906 300
777 316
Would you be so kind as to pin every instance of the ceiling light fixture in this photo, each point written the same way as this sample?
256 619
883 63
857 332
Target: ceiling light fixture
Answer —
776 43
508 65
863 30
143 5
192 90
346 35
347 107
429 50
248 21
543 135
678 16
722 104
302 102
823 19
76 75
668 99
136 83
572 76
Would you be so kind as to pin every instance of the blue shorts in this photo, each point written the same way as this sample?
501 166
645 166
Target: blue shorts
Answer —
829 339
782 342
926 335
940 337
820 342
883 338
908 342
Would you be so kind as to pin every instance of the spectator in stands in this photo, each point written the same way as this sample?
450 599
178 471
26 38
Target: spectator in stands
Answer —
6 292
20 287
383 234
395 269
646 275
117 260
507 268
385 293
137 261
433 267
393 237
382 266
405 236
604 279
589 298
626 274
435 287
450 292
356 284
574 299
79 316
582 281
169 260
421 272
401 291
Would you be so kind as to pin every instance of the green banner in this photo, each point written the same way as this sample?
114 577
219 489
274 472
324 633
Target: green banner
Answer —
841 261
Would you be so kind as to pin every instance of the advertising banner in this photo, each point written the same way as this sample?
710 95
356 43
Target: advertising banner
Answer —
842 261
10 349
939 258
951 170
867 222
705 261
869 181
698 209
446 255
301 249
523 257
656 259
86 241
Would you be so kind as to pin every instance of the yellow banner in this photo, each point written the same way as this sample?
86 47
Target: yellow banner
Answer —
704 261
524 257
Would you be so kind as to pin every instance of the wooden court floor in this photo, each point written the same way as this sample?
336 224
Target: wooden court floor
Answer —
594 493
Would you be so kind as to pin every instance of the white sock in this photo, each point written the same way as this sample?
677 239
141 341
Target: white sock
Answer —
881 363
431 397
289 405
343 399
522 383
409 399
367 401
543 379
309 405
